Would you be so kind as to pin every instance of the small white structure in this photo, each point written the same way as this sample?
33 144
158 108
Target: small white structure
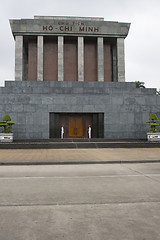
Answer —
153 137
6 137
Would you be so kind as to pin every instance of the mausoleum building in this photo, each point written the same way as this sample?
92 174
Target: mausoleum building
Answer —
70 71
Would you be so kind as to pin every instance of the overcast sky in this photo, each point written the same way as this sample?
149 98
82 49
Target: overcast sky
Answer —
142 45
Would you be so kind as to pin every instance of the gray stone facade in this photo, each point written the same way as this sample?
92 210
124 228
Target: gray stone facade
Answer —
125 107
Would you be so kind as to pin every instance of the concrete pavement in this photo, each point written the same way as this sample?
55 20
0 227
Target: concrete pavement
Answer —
77 156
82 202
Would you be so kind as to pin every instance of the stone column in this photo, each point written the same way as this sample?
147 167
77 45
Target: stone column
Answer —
40 58
19 58
114 64
100 59
80 59
120 60
60 58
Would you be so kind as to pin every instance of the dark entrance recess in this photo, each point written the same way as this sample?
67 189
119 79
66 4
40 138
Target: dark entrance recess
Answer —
76 124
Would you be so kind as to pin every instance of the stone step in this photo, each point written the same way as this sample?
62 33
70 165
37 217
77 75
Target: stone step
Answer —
78 143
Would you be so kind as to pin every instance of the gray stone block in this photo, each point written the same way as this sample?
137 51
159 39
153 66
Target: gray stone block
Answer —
45 135
21 135
7 90
76 90
70 100
57 90
88 108
7 108
158 100
117 100
45 121
140 100
1 90
27 90
145 108
23 99
155 108
51 107
150 100
47 100
67 108
81 99
9 83
148 91
99 108
123 118
47 90
35 99
131 118
21 119
17 108
138 118
129 100
38 90
108 116
37 117
35 135
29 108
60 99
115 118
76 109
29 119
117 91
2 107
16 90
127 108
20 128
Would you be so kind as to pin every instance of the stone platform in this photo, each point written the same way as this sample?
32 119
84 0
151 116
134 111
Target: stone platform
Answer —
124 107
78 144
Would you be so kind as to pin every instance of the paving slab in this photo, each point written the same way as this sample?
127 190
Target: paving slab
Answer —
78 156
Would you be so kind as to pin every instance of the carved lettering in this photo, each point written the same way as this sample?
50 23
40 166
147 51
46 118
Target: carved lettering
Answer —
61 23
81 29
66 28
44 28
90 29
96 29
61 28
50 28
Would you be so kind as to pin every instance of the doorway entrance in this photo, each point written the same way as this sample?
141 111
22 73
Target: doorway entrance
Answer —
76 125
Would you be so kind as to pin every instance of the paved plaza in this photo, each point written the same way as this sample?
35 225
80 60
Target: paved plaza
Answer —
54 156
83 202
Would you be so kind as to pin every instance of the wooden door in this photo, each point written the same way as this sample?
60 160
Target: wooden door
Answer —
75 126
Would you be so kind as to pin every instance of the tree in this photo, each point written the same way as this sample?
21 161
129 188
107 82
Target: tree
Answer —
158 92
6 124
140 84
154 122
